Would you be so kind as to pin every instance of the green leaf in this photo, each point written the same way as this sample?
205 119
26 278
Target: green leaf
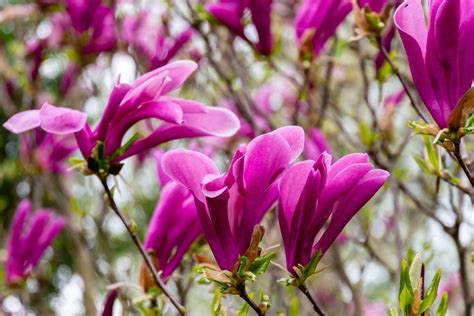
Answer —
415 271
432 154
366 134
244 262
243 310
126 146
431 292
443 305
406 296
422 164
393 312
216 303
469 128
294 307
310 268
260 264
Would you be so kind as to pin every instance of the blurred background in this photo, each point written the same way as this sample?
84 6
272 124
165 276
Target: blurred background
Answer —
44 57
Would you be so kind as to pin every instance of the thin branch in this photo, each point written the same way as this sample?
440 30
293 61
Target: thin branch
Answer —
243 294
316 308
138 244
462 163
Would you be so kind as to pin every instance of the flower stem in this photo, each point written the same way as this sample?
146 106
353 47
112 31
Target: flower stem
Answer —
243 294
396 71
138 244
462 163
316 308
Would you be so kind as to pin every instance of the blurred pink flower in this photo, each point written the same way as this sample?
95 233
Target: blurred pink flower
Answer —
231 12
30 235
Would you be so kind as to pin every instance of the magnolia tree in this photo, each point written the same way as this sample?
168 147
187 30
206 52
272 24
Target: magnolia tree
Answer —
234 157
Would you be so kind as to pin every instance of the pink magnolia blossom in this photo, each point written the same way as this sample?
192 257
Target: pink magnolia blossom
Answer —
46 152
439 53
317 200
146 98
230 205
231 12
157 47
30 235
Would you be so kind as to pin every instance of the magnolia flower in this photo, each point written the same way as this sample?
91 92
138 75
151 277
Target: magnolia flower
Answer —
174 225
440 54
230 205
95 18
30 235
318 198
44 151
128 105
157 47
317 20
230 13
315 144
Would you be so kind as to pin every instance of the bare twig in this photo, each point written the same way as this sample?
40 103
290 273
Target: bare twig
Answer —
138 244
306 293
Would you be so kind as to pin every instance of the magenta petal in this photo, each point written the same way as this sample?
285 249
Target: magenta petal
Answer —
177 71
59 120
409 19
188 168
162 176
267 156
211 121
173 227
294 136
116 96
291 187
348 207
198 120
23 121
228 13
466 50
22 212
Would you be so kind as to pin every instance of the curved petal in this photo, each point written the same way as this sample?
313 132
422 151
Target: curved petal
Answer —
23 121
267 156
165 110
177 71
228 13
348 207
409 19
116 96
188 168
294 136
198 120
59 120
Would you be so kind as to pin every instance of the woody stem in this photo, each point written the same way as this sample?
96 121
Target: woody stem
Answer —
462 163
243 294
316 308
132 232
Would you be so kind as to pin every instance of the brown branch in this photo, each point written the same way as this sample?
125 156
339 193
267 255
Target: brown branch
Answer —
138 244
